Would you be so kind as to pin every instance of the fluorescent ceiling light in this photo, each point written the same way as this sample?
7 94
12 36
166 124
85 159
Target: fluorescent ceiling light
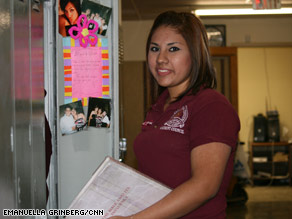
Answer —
244 11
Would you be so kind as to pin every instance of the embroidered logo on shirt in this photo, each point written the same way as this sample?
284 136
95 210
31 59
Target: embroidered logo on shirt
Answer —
177 120
147 123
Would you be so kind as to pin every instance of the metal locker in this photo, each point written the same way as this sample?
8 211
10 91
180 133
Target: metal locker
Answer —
7 185
22 107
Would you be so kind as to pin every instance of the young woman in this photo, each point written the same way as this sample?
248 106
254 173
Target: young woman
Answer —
71 11
189 136
79 118
92 117
95 117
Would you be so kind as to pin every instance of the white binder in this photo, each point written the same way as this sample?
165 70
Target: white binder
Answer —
119 190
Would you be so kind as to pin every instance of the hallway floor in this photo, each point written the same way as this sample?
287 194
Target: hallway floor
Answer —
264 202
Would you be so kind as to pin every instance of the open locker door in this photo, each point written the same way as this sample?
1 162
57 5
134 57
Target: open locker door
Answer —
77 155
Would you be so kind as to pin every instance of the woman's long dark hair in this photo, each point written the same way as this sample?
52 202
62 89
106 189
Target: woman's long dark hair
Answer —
193 31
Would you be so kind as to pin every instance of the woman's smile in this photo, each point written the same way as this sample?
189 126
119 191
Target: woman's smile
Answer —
163 72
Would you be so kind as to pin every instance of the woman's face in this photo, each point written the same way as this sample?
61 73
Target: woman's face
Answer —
71 13
73 112
169 59
87 12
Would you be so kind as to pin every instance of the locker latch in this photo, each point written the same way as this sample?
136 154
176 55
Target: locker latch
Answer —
122 149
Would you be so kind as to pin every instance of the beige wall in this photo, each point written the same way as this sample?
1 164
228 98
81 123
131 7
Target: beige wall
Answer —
264 81
264 31
239 32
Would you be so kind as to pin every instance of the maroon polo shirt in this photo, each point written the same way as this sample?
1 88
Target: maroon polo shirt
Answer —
164 145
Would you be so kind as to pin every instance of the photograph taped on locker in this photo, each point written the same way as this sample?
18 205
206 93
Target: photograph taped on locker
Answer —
69 12
99 111
99 13
72 118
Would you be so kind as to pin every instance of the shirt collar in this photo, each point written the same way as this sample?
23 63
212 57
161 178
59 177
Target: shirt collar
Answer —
159 105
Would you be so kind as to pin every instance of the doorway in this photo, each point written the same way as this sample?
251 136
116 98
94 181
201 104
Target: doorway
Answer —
132 104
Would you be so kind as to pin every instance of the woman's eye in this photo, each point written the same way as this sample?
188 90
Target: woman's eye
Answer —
173 49
154 49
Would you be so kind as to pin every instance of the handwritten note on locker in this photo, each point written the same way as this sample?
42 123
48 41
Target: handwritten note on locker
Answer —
86 70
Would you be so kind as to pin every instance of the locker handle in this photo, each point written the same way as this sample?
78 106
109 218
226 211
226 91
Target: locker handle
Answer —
122 149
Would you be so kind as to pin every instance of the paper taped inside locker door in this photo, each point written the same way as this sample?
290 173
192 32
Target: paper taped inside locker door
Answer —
118 189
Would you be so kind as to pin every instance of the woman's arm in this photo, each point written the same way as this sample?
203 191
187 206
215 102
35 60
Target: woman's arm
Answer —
90 117
81 115
208 163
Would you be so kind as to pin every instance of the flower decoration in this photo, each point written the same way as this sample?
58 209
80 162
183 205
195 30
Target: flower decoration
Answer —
83 33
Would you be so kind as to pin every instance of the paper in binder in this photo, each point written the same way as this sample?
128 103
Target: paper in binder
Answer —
118 189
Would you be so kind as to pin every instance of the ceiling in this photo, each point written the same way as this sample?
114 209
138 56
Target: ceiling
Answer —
149 9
